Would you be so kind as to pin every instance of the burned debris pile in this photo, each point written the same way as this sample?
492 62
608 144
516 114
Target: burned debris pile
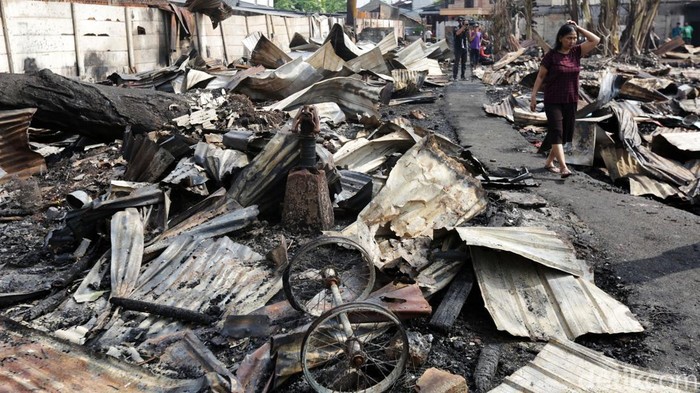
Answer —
237 245
637 125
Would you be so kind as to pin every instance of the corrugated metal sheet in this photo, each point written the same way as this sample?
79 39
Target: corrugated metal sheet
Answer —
537 244
326 61
15 156
688 141
408 82
503 109
426 190
126 237
363 155
373 61
34 362
564 366
197 275
267 54
528 299
354 96
280 83
644 185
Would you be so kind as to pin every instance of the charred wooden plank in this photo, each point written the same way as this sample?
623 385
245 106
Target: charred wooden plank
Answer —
164 311
451 305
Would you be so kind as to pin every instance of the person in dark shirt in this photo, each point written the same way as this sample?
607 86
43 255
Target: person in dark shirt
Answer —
677 31
460 48
559 72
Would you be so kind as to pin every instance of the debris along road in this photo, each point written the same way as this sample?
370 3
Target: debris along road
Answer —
653 249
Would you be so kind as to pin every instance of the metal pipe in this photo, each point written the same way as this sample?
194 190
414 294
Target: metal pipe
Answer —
130 39
6 34
76 41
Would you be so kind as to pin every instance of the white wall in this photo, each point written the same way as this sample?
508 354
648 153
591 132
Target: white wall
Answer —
151 50
41 36
102 42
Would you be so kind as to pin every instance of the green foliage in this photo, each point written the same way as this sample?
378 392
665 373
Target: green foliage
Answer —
323 6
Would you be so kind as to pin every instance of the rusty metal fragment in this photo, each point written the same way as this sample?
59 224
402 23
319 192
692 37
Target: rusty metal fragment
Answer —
147 161
61 366
16 159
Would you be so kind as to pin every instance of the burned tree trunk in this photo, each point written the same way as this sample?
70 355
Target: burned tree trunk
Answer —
97 111
639 21
608 25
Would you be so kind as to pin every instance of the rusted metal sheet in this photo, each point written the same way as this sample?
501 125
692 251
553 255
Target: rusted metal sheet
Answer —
33 361
528 299
669 46
426 190
267 54
564 366
537 244
16 158
147 160
354 96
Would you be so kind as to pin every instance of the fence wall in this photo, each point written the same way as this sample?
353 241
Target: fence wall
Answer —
93 41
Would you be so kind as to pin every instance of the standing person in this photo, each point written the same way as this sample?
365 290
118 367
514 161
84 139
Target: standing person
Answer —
460 48
677 31
428 35
687 33
474 45
559 72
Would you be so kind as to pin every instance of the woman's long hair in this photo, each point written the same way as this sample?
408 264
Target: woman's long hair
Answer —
563 31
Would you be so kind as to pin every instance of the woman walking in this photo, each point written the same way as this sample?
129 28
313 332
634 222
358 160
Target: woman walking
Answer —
559 72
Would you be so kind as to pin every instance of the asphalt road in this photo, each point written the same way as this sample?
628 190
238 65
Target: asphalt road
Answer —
653 248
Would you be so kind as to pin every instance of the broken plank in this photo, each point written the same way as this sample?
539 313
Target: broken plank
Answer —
451 305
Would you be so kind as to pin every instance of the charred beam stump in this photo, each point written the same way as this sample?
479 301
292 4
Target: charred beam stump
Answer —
307 202
96 111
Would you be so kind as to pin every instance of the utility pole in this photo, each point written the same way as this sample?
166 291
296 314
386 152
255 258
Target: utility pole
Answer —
351 14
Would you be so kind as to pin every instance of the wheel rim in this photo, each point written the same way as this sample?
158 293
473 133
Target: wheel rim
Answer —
307 284
381 351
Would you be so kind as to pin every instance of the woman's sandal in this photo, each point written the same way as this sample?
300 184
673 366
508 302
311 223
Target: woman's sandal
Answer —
552 168
566 174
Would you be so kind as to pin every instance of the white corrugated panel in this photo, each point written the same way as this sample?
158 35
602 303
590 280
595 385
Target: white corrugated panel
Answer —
538 244
564 366
528 299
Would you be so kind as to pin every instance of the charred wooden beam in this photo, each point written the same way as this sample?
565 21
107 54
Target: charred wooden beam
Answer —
164 311
451 305
97 111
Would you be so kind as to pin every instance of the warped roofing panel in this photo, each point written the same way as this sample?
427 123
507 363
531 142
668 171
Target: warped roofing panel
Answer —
33 361
354 96
126 237
267 54
388 43
537 244
15 156
644 185
280 83
528 299
564 366
689 141
502 109
372 60
363 155
325 60
426 190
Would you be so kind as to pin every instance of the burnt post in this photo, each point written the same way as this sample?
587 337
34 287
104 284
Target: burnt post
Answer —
307 202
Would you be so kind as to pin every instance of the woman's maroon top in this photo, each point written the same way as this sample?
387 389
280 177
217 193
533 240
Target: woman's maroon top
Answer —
561 82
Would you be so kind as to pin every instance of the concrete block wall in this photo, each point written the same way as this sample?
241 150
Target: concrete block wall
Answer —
41 36
102 45
4 65
94 40
150 30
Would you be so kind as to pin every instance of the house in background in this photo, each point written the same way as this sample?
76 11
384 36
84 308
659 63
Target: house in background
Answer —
377 9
